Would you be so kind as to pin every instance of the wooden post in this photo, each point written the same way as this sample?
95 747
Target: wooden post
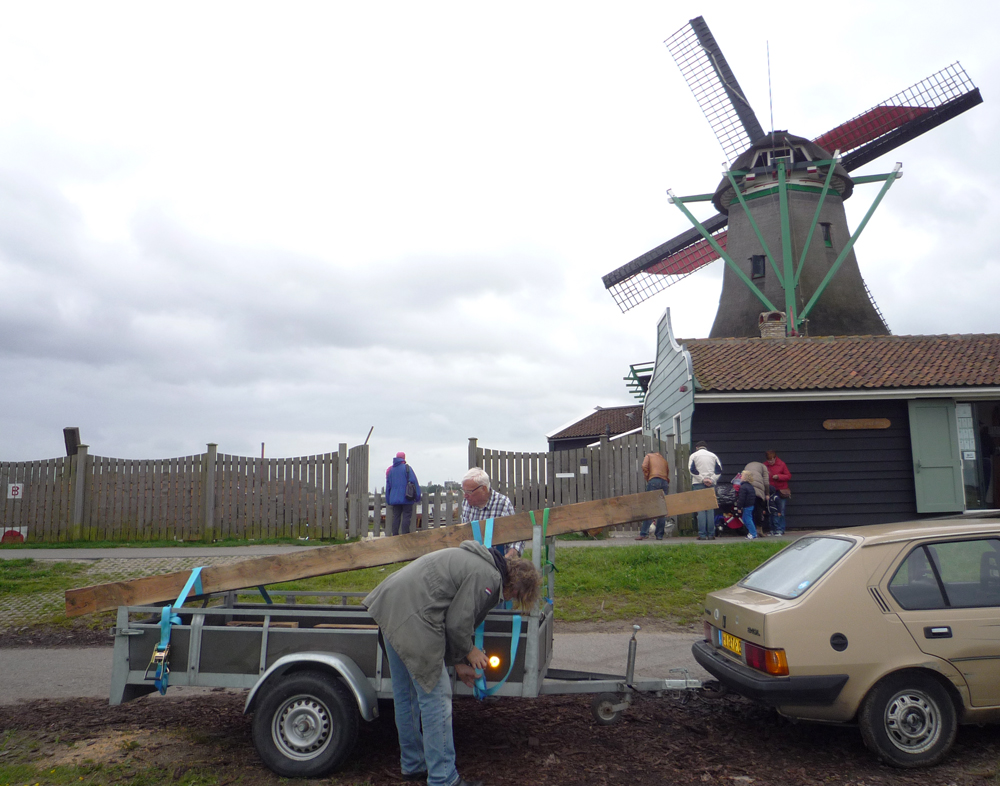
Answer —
341 496
208 495
79 484
473 442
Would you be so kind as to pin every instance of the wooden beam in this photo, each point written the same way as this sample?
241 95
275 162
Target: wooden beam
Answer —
384 551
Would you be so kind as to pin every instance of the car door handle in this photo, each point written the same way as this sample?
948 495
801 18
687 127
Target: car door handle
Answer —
937 632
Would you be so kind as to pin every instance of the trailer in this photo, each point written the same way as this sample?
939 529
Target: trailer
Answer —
314 664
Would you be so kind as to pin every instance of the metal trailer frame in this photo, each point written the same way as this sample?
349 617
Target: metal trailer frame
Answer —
251 645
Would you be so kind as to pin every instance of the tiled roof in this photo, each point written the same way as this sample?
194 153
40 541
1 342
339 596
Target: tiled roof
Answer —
845 362
620 419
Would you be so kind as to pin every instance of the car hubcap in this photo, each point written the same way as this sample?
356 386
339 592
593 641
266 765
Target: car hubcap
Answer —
912 722
302 728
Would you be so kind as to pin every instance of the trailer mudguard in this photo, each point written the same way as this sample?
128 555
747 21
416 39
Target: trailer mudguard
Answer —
343 666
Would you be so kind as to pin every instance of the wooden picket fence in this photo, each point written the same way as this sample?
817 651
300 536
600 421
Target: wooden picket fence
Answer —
534 481
200 497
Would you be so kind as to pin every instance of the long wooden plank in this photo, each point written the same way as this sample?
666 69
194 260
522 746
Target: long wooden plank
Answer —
383 551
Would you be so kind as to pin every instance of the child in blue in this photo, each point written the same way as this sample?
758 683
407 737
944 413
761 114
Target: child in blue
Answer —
745 500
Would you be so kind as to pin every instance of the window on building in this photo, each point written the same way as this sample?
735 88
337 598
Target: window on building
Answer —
758 266
827 239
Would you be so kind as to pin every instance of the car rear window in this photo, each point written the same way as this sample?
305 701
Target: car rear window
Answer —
793 570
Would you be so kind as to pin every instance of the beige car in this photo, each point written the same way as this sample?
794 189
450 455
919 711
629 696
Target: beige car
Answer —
895 627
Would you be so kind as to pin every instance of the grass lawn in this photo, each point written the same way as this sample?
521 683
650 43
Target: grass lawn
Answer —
593 584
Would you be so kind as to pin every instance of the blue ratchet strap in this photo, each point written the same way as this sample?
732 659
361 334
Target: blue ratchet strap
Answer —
167 620
548 566
479 688
481 692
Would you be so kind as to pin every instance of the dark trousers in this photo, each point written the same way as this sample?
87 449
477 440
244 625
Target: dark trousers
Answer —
651 485
401 512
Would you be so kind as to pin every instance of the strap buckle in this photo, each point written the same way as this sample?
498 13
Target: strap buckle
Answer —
159 664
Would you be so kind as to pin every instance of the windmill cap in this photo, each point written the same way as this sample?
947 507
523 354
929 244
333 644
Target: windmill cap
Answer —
724 196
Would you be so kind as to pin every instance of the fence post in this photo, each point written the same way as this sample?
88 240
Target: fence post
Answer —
341 523
79 485
473 444
208 498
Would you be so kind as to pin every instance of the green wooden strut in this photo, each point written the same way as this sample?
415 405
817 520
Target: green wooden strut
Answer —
819 207
786 249
679 201
756 229
889 180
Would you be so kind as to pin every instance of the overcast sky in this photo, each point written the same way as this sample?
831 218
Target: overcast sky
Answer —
289 223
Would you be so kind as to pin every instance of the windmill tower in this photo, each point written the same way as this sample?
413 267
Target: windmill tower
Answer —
781 226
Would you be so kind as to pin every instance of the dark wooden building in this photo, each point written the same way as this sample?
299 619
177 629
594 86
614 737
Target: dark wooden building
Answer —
873 428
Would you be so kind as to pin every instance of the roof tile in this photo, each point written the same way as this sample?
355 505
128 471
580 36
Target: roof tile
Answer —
844 362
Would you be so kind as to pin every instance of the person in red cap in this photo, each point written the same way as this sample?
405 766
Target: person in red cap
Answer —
402 492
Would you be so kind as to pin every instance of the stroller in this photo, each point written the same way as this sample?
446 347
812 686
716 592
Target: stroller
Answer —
726 520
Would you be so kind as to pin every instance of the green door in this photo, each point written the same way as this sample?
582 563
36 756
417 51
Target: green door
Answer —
937 468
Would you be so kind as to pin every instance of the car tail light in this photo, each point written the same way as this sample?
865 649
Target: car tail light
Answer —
709 632
769 661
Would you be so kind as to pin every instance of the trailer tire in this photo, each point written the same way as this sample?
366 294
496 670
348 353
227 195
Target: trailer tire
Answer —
601 708
305 725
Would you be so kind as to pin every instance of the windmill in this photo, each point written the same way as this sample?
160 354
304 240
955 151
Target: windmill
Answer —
781 226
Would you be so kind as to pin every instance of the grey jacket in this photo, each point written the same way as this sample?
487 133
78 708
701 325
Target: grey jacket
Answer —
429 610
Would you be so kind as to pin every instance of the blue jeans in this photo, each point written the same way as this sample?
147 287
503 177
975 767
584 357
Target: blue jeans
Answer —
706 523
433 749
778 519
661 523
748 520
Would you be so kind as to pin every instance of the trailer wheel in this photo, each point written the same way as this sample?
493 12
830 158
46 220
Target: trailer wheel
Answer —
602 707
305 726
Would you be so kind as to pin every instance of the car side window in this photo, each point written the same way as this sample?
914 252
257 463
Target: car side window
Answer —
959 574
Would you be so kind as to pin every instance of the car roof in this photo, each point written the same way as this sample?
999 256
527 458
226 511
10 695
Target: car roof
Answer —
978 524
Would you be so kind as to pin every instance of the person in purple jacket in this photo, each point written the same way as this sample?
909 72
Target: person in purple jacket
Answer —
400 506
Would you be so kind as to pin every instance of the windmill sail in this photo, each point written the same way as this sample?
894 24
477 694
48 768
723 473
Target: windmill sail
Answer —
719 95
903 117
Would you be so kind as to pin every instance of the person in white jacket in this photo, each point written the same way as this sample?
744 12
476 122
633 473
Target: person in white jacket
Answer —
705 469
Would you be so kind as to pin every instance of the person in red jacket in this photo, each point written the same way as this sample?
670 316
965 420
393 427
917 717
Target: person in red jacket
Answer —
778 476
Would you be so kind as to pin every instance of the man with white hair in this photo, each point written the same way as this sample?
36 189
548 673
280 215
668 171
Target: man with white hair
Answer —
480 503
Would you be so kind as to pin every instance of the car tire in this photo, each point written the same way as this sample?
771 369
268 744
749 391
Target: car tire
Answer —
306 725
908 720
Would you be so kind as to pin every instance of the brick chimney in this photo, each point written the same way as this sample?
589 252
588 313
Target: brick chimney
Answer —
772 324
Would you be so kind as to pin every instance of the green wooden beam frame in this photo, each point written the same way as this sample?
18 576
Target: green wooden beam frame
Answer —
679 201
889 179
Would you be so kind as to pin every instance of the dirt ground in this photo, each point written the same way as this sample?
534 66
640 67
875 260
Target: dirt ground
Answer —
676 739
551 741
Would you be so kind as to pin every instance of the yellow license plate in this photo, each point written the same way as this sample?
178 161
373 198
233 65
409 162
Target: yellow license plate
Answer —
732 643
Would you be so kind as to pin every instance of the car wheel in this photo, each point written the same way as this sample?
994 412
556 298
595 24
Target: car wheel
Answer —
908 720
305 726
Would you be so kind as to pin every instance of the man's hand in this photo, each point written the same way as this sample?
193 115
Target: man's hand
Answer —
477 658
707 481
466 674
